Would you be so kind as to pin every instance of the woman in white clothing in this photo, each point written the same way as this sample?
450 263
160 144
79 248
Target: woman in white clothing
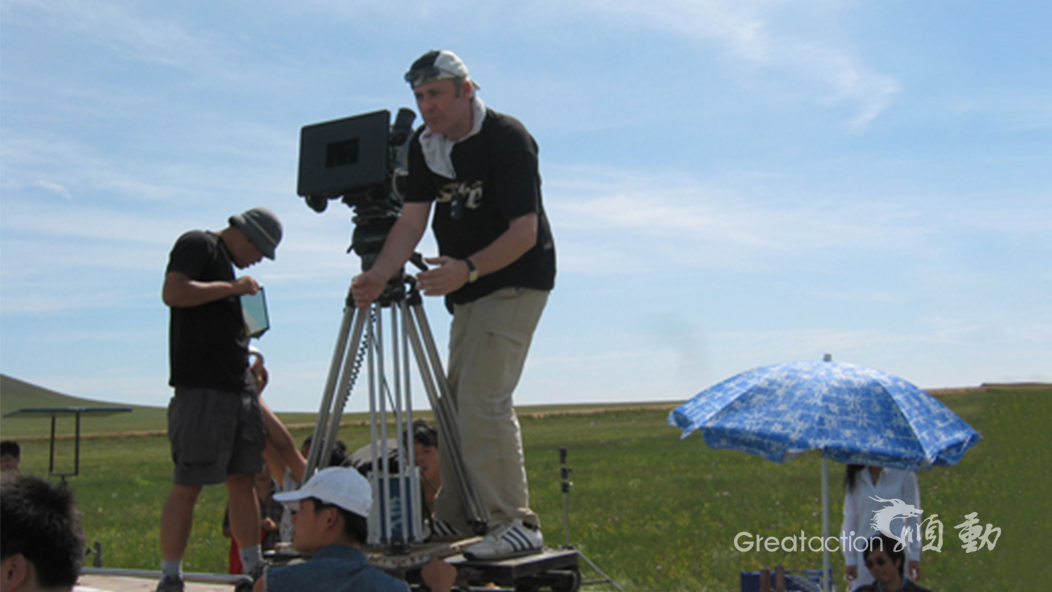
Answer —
862 484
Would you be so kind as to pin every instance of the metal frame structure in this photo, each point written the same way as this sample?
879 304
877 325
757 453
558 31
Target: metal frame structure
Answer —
55 413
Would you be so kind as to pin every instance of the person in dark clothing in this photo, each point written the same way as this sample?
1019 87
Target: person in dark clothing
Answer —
331 519
215 425
886 560
496 266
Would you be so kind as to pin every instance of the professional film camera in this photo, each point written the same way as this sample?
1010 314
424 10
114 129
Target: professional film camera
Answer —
359 160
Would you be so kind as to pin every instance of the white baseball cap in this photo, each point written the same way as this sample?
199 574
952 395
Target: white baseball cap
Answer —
339 486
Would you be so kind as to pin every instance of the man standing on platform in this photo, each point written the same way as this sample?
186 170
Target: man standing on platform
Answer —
214 420
496 267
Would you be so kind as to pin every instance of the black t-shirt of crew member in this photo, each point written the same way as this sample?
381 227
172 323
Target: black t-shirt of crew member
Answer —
207 344
497 180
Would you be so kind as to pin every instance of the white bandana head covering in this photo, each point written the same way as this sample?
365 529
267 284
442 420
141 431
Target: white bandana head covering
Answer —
438 149
437 65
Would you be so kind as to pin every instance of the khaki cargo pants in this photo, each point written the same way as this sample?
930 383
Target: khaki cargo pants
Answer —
488 343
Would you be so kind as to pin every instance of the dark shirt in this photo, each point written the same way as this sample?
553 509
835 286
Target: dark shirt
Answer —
207 344
336 568
497 180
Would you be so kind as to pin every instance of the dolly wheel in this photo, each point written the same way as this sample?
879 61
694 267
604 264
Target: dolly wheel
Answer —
569 581
527 584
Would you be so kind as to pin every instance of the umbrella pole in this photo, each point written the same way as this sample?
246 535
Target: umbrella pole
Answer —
826 567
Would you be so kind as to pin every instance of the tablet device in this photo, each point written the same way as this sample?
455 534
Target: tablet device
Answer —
254 309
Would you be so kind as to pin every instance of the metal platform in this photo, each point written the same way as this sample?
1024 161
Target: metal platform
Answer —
552 569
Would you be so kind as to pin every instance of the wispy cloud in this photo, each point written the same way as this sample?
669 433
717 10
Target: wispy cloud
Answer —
118 26
642 211
763 35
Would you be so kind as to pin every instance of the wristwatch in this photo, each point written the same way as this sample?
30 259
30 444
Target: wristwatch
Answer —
473 273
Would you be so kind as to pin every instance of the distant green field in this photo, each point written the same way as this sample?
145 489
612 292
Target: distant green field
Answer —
16 394
656 512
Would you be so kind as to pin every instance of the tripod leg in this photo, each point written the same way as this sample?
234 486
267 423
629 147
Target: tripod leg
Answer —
395 522
438 392
342 373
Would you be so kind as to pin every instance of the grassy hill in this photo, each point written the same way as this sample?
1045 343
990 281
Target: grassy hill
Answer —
17 394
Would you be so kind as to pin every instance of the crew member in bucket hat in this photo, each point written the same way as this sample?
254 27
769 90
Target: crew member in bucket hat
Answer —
262 227
215 424
478 169
331 522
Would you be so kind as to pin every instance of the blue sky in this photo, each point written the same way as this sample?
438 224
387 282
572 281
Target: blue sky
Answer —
730 184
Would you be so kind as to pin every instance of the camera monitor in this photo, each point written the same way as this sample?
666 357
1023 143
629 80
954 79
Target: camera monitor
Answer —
340 156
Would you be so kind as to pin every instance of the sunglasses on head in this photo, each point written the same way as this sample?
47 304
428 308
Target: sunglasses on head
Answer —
415 77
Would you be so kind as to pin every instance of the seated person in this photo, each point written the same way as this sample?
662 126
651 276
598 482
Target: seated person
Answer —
885 564
425 451
10 456
41 542
293 477
330 523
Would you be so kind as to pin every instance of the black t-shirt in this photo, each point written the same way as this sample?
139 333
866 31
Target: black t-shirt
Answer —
207 345
497 180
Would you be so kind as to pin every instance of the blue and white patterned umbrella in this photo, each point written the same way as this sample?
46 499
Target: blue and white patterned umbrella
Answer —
852 414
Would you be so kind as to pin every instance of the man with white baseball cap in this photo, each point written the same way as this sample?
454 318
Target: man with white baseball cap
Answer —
330 518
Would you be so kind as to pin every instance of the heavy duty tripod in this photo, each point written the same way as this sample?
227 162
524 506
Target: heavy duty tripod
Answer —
387 350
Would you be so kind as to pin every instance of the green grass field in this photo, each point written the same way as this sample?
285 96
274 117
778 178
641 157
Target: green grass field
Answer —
655 512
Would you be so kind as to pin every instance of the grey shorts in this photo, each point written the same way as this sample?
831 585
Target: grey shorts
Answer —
215 433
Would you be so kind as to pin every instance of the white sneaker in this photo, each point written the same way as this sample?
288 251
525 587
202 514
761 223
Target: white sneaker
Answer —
511 539
440 529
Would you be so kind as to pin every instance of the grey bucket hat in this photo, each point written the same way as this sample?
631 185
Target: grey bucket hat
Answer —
262 227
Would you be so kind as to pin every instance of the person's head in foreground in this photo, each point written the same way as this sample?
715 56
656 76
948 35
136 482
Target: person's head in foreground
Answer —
330 522
330 509
884 562
41 542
